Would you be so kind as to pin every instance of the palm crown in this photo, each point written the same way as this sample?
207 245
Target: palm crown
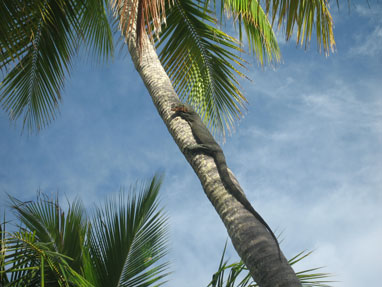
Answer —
40 38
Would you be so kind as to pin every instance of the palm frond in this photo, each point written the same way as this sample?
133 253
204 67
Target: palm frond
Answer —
203 64
251 16
64 232
39 39
123 246
239 276
219 279
141 15
129 239
305 15
95 28
28 262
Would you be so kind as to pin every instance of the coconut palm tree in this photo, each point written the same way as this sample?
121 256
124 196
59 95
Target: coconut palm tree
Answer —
122 244
197 63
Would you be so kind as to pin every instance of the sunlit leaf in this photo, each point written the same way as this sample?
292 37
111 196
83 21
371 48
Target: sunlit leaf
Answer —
203 64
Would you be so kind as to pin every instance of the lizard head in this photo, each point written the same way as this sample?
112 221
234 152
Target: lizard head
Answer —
180 108
185 111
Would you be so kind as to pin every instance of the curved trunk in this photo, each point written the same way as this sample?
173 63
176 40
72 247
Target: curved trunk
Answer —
252 241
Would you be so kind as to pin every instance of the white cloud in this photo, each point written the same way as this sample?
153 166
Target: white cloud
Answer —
372 11
346 230
369 44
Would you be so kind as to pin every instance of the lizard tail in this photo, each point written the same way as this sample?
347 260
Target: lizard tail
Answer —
238 194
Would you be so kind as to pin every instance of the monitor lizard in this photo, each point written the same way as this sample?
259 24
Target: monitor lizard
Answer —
207 144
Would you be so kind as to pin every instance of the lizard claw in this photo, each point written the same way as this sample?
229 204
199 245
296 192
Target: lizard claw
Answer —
188 150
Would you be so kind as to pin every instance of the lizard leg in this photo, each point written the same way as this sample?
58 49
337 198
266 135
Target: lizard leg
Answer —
204 148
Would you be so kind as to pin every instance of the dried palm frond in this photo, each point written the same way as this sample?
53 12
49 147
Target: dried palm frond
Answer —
140 16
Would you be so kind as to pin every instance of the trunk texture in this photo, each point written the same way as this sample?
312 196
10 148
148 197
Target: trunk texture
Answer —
250 238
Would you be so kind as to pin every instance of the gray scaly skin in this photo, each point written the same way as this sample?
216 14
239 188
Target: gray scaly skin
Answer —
207 144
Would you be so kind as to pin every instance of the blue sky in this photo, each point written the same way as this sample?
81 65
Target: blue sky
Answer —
308 154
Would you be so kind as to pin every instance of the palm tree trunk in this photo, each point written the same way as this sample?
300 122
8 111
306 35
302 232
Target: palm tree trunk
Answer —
250 238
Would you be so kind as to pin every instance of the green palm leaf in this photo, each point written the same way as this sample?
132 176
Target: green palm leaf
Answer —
239 276
30 262
251 16
38 41
305 15
202 62
64 232
128 239
96 30
123 246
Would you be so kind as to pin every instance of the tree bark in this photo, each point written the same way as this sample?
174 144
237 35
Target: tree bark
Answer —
250 238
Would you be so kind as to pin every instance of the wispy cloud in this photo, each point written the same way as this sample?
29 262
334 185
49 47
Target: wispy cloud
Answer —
368 42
